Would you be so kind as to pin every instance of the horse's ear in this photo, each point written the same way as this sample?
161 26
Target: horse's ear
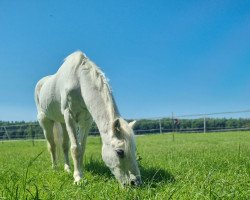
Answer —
132 124
117 126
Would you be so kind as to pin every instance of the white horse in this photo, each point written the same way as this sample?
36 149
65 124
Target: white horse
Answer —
74 96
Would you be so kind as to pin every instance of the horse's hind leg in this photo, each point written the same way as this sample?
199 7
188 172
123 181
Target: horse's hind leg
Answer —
75 145
47 126
65 146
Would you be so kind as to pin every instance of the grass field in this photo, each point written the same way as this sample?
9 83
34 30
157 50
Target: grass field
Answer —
194 166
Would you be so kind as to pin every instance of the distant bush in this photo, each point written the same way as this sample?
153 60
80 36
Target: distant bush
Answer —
21 129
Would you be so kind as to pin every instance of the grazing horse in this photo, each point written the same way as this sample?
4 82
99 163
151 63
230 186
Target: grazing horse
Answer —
70 100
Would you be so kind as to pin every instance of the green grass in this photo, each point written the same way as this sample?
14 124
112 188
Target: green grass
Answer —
194 166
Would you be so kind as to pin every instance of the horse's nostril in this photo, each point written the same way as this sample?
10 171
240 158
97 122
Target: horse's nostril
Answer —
132 182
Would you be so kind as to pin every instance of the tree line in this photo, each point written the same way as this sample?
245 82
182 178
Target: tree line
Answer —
21 129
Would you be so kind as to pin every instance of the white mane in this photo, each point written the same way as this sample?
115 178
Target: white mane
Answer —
99 78
101 81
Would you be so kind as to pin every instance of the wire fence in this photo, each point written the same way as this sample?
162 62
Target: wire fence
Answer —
193 123
217 121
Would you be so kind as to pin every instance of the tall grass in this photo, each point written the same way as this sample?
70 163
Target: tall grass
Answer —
194 166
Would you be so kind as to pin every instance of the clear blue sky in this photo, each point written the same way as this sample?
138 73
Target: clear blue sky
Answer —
160 56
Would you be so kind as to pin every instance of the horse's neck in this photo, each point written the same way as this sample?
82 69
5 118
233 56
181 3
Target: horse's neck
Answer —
99 102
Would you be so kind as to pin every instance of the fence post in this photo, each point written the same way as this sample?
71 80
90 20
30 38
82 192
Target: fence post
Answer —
6 132
160 126
173 126
205 124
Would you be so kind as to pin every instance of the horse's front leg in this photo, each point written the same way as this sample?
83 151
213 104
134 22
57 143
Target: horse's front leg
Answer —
76 150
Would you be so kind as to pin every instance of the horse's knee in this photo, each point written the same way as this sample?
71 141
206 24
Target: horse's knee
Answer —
75 150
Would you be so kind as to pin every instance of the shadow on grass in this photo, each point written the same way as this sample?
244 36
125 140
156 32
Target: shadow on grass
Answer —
151 176
155 176
97 167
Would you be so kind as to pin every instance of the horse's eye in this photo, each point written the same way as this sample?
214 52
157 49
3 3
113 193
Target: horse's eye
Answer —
120 153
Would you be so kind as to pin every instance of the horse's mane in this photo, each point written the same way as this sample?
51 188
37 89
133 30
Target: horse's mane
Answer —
97 76
102 83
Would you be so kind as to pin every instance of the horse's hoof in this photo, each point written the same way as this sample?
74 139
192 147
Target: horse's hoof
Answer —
66 168
77 180
81 182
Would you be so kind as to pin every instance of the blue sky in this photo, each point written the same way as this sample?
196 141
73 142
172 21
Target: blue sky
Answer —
160 56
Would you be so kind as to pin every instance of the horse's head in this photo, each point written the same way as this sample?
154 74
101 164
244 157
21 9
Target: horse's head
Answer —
119 153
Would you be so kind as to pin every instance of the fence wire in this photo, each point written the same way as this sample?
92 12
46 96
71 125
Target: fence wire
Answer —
190 123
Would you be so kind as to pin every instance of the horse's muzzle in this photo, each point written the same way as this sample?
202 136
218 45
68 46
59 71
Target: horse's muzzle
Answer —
136 182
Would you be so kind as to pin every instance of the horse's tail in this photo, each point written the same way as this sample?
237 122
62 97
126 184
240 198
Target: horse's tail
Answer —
38 89
37 92
58 138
